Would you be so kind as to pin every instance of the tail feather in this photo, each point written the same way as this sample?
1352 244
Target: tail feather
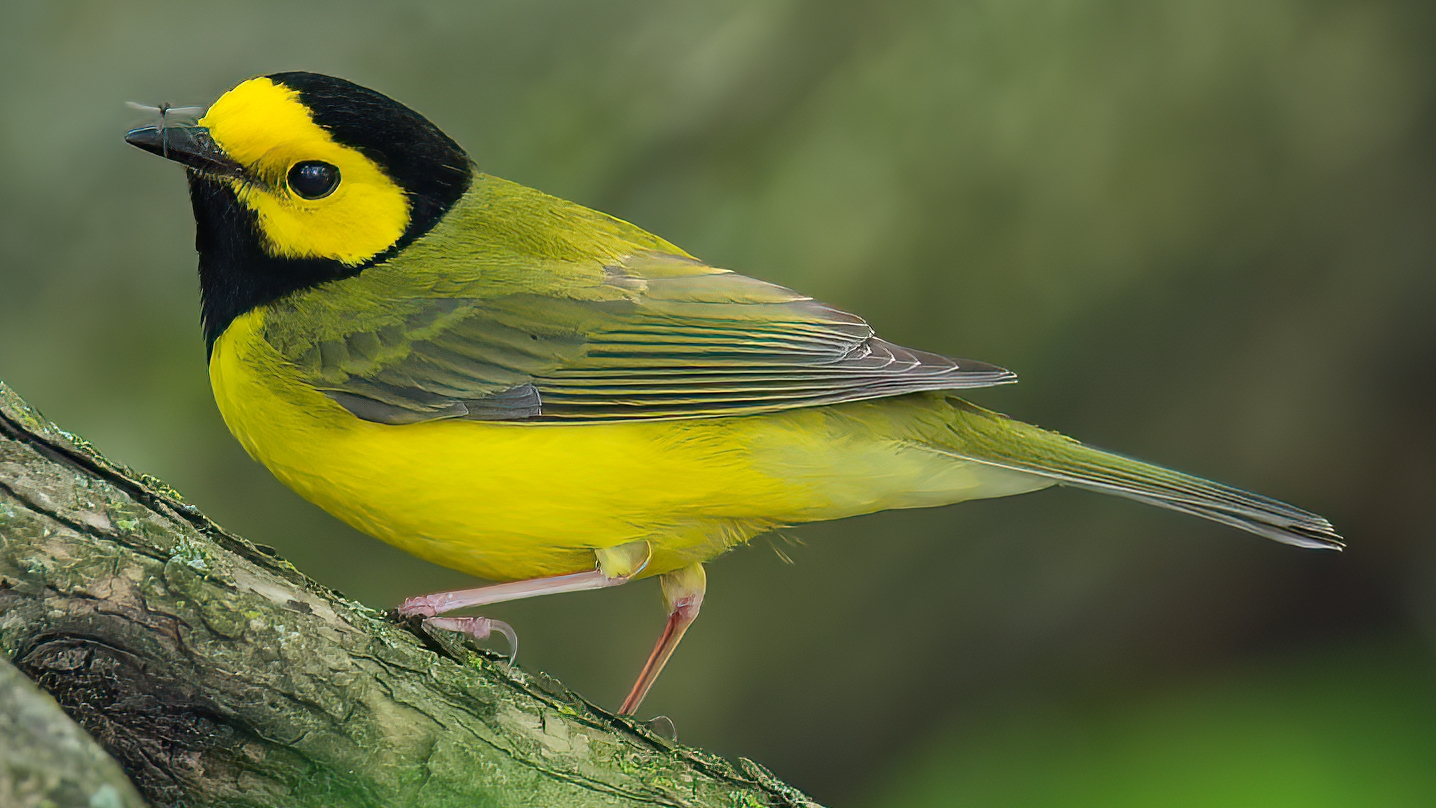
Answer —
996 440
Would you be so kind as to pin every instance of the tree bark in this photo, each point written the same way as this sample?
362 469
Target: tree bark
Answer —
46 759
218 674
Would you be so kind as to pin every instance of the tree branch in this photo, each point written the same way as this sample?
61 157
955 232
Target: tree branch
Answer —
218 674
46 759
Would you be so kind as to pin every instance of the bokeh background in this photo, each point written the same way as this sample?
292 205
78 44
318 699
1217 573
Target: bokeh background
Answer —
1201 230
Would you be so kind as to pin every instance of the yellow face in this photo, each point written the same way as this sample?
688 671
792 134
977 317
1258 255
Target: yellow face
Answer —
313 197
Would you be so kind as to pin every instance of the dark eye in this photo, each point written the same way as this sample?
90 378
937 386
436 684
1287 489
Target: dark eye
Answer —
312 179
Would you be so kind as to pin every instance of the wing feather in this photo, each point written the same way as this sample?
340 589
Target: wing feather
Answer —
654 336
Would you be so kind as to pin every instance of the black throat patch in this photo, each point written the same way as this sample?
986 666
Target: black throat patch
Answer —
236 275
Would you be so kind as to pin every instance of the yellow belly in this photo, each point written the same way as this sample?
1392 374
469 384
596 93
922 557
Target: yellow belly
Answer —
511 501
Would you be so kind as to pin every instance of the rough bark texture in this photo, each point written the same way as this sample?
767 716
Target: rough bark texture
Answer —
218 674
46 759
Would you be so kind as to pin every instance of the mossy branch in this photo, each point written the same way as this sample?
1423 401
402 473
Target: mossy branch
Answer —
218 674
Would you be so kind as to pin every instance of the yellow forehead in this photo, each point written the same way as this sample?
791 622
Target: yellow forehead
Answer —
265 127
258 118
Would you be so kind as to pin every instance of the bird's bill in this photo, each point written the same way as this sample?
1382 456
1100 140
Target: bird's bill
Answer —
190 146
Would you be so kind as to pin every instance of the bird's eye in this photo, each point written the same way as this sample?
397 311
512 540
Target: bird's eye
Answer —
313 179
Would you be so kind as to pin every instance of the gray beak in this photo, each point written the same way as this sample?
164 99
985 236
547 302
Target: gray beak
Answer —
190 146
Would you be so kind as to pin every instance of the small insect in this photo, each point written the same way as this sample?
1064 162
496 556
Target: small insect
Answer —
167 112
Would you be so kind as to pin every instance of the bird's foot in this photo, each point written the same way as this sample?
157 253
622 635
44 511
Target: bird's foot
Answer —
420 606
480 628
614 566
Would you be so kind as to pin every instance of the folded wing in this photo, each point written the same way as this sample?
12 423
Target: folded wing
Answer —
655 336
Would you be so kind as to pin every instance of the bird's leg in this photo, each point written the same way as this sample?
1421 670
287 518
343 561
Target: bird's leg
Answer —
683 591
615 566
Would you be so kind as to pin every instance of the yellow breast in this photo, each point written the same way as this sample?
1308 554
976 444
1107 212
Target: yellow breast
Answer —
501 501
510 501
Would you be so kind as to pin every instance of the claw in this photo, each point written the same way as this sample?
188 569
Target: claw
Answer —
480 628
663 726
419 606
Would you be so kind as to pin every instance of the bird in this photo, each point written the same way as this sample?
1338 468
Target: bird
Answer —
539 394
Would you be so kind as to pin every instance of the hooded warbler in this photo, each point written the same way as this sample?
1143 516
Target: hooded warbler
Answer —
536 393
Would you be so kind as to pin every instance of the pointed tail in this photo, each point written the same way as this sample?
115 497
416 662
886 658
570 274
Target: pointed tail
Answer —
994 439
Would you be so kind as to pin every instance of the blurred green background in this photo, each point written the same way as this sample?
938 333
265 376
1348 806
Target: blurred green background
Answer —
1201 230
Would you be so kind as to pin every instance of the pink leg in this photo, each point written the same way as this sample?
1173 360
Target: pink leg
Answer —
441 602
683 590
616 565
